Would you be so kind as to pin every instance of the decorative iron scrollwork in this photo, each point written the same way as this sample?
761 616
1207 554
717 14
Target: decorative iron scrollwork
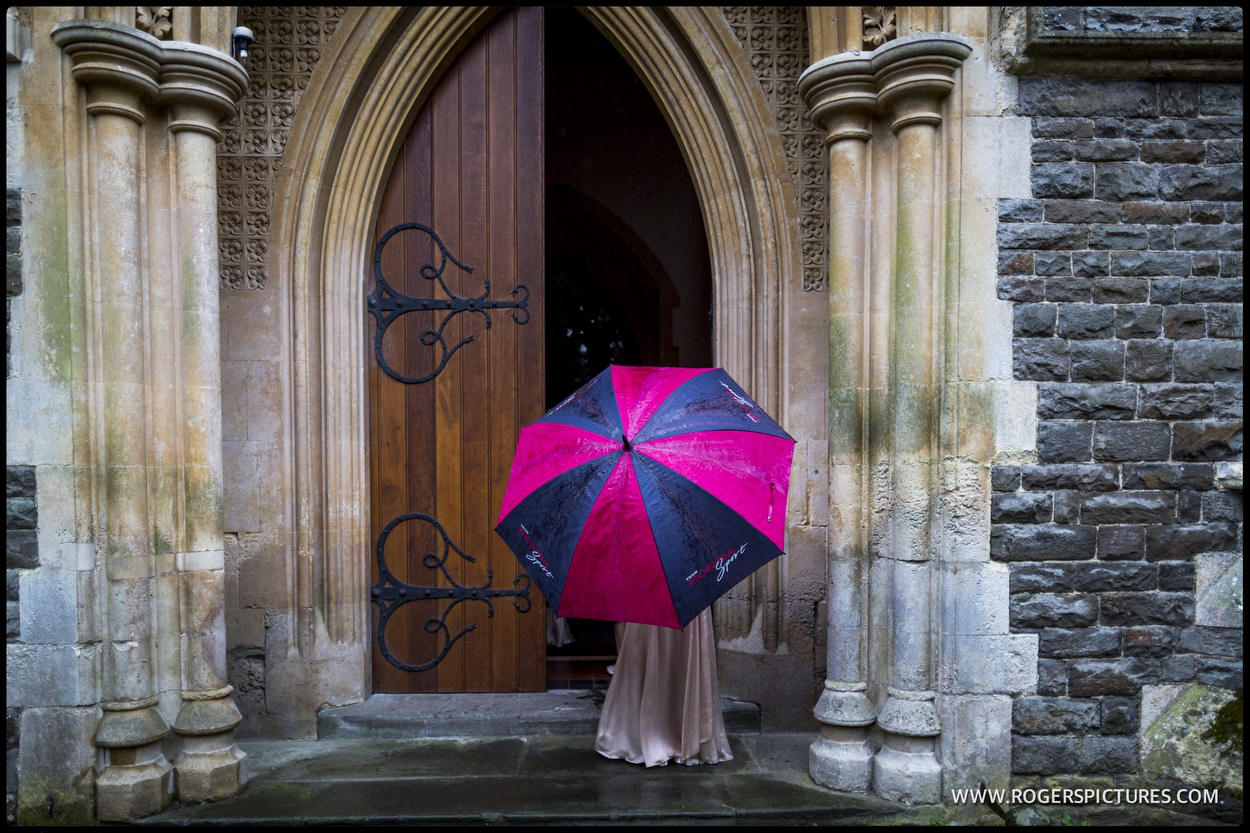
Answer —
386 304
389 593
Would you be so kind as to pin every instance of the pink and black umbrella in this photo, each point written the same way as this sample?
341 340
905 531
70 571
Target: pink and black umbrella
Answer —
647 494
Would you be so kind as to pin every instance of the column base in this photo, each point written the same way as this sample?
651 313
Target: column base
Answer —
842 764
136 782
210 765
841 758
906 769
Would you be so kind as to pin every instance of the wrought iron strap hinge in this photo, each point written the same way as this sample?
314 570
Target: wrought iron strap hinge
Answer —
387 305
389 593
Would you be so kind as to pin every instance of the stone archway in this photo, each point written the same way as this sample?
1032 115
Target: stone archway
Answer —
326 204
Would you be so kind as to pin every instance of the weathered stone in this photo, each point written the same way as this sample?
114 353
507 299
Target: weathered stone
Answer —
1021 507
1175 401
1216 671
1020 211
1148 507
1121 441
1054 715
21 549
1180 576
1091 97
1035 320
1086 401
1165 290
1080 211
1184 321
1207 360
1085 321
1067 507
1118 237
1005 478
1061 643
1100 576
19 481
1042 575
1106 150
1168 475
1010 542
1040 359
1120 715
1188 507
1117 182
1051 151
1176 150
1213 289
1147 361
1175 746
1199 182
1207 440
1182 542
1205 237
1151 264
1053 264
1063 180
1117 543
1228 400
1095 477
1222 506
1090 265
1224 320
1148 641
1097 677
1097 361
1052 677
1137 321
1141 608
1225 642
1069 290
1053 610
1063 442
1045 127
21 513
1018 283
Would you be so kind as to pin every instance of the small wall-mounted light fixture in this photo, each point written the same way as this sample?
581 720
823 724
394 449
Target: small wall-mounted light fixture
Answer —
241 42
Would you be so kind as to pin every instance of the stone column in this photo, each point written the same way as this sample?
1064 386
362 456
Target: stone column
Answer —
154 406
118 72
841 95
914 76
200 87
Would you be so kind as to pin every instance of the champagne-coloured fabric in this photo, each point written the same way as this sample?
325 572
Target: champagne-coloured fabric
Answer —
664 702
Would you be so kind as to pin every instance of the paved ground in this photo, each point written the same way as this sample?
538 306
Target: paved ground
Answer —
529 760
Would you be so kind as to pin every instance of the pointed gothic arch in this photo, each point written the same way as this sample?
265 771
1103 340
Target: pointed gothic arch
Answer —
373 78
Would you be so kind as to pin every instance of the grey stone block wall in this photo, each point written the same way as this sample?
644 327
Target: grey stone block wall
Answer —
22 552
12 261
1125 267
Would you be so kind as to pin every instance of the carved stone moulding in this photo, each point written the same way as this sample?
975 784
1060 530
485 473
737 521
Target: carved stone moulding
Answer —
106 54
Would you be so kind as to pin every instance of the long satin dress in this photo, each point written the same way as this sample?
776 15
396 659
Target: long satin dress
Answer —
664 702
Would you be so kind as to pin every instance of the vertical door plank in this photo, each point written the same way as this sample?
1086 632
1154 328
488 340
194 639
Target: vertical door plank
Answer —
531 259
471 168
501 429
476 220
447 216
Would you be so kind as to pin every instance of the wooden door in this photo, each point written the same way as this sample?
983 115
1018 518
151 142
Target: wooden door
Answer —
471 170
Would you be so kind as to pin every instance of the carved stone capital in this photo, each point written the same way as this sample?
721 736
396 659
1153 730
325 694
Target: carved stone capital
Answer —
907 78
915 74
123 69
118 65
841 93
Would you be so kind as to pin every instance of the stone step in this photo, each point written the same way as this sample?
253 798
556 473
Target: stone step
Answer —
489 715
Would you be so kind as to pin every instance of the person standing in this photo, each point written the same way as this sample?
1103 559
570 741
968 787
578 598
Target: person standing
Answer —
663 703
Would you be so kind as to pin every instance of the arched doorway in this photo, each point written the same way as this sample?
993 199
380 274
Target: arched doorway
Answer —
449 392
628 275
374 75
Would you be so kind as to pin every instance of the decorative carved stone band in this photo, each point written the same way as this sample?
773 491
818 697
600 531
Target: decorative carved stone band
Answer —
882 390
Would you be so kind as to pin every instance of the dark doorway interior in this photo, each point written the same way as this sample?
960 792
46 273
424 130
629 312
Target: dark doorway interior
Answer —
628 273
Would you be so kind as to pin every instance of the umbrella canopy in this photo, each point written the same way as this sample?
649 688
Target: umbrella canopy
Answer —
647 494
